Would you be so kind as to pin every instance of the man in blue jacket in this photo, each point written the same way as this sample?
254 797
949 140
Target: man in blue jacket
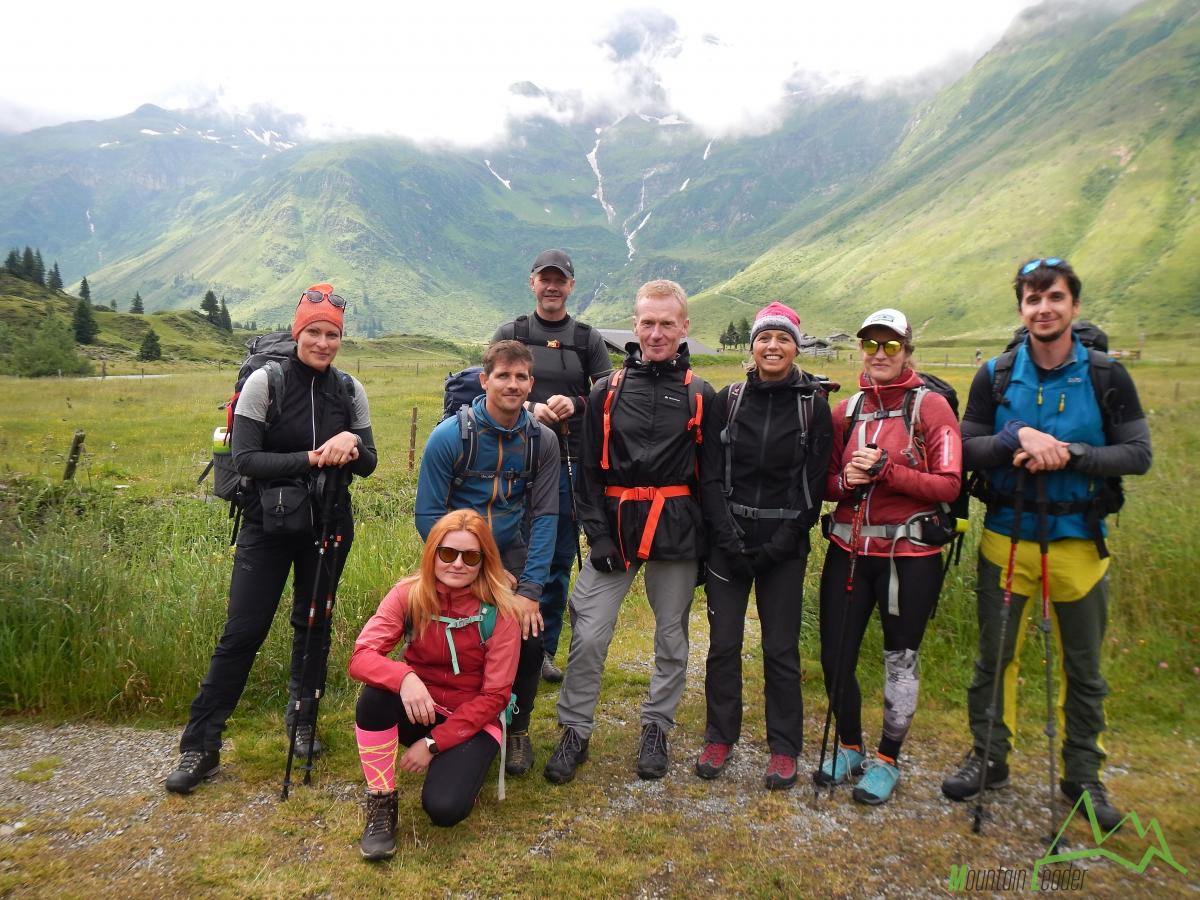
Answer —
497 460
1070 418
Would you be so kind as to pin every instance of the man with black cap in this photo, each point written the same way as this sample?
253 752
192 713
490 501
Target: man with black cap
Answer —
568 357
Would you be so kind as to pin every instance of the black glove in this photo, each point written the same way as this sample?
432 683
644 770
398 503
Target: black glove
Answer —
604 556
733 564
761 561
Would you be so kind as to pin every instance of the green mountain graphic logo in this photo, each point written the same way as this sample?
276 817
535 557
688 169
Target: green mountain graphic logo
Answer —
1156 844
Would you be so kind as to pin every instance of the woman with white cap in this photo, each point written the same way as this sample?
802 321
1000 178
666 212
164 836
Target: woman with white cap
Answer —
897 455
762 479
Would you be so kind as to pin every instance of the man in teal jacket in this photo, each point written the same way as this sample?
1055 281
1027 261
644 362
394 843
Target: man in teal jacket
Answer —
511 479
1070 418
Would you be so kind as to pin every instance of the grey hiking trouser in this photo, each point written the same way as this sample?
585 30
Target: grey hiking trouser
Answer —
594 605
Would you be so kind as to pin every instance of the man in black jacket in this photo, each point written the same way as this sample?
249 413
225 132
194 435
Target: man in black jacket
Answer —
568 357
638 504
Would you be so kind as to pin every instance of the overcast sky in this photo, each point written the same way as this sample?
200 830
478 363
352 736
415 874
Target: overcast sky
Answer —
439 70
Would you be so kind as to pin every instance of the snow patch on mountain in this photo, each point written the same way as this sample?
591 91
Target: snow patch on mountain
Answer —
593 159
706 149
150 131
683 187
629 237
87 213
504 181
109 144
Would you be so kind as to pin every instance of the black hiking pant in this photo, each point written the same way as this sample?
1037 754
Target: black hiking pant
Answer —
261 565
454 777
920 580
778 594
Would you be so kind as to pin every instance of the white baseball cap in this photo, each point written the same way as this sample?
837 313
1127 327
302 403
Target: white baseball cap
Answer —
891 319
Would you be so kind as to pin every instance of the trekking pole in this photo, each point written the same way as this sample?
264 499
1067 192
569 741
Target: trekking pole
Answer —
328 530
997 675
1048 648
835 695
566 431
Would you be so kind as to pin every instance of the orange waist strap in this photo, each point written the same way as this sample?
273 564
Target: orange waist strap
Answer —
656 496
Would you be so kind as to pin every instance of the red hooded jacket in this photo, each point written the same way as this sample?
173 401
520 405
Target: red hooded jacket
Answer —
486 668
908 483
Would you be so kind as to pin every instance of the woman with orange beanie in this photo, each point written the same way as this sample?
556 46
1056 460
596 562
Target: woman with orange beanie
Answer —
301 429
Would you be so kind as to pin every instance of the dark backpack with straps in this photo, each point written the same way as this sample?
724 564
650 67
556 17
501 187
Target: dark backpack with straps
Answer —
464 466
951 518
460 389
694 384
580 339
1100 370
806 391
273 352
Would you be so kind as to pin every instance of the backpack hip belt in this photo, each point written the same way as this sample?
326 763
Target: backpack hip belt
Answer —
753 512
1094 510
911 531
657 496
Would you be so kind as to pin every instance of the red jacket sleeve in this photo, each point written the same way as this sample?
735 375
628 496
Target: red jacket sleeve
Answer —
943 457
369 663
834 489
501 651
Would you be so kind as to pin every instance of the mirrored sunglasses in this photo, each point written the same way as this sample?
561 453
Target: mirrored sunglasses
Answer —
871 347
318 296
1050 262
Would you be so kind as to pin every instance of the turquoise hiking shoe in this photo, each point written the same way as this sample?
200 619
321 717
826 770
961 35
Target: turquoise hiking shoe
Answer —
878 780
847 759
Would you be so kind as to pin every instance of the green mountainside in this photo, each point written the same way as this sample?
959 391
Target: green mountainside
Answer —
1076 135
1077 138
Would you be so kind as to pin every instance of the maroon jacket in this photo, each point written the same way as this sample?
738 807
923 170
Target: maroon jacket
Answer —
486 669
904 486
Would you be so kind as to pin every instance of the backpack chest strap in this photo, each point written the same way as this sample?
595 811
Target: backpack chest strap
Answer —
451 626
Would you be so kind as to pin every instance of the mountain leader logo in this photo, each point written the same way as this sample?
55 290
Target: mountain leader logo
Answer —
1003 879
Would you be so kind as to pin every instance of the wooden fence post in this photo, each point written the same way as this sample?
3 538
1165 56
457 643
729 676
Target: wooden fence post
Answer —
412 440
73 456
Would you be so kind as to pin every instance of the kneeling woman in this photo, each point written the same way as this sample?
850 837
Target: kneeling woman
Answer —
443 700
890 476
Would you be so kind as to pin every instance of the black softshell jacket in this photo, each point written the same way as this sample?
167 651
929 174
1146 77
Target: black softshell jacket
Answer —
768 461
649 446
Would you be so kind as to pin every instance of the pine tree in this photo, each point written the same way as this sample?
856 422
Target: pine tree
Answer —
84 323
136 306
48 351
151 349
54 279
210 309
85 290
28 264
39 269
744 331
225 324
13 263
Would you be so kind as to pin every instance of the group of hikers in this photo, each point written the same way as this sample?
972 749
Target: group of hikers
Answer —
688 485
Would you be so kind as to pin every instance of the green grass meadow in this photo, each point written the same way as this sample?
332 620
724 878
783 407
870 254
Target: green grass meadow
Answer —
113 588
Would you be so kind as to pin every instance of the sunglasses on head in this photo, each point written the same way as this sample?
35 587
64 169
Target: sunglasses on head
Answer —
318 296
449 554
871 346
1050 262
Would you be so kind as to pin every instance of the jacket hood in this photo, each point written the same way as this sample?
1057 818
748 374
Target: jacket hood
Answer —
633 359
891 393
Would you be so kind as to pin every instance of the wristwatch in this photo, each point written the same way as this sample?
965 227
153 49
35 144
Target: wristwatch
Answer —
432 745
1076 452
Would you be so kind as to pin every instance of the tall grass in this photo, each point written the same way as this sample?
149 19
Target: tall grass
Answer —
113 598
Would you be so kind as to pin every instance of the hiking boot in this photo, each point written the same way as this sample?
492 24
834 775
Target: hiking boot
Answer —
964 784
878 780
194 766
1108 816
305 735
712 759
551 672
566 758
845 763
652 761
781 772
379 836
518 753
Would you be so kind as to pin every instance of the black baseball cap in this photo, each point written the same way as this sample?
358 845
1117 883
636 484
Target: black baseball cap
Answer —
553 259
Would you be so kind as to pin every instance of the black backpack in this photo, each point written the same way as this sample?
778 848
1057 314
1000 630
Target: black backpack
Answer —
1100 369
806 391
459 389
956 514
271 351
580 338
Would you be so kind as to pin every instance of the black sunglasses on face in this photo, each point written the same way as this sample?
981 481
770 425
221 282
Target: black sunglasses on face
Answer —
317 297
449 554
